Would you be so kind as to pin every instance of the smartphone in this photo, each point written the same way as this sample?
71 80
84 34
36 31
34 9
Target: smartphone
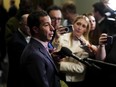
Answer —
109 40
68 28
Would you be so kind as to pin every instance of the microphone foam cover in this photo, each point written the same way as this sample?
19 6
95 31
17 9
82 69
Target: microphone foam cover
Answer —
66 51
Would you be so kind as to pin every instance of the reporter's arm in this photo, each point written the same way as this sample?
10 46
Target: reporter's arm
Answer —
101 53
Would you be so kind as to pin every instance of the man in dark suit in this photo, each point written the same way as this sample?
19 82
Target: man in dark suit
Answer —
37 66
15 48
104 24
25 6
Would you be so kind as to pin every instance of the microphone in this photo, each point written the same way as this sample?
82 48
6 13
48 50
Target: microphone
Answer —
101 62
67 52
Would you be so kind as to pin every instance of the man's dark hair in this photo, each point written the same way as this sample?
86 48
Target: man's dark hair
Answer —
100 7
25 7
69 7
34 19
53 7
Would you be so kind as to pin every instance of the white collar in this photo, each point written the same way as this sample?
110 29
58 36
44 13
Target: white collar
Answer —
45 44
101 20
27 38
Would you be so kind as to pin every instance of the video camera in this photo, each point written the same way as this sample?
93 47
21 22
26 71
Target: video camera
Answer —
111 16
111 21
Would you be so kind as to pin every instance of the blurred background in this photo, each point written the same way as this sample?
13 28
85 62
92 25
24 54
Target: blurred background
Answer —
80 3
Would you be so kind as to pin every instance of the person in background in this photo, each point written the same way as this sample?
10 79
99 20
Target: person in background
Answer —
94 31
13 9
55 14
36 65
99 15
104 25
92 72
69 12
108 73
25 7
77 41
3 20
15 48
3 55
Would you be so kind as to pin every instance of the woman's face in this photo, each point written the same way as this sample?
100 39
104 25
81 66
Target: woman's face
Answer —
92 22
80 27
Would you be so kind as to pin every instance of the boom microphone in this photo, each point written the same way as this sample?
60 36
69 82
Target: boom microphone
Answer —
67 52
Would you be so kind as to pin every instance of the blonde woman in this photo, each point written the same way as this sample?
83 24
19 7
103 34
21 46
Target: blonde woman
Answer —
77 41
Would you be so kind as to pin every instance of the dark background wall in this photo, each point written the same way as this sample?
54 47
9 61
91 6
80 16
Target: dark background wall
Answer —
83 6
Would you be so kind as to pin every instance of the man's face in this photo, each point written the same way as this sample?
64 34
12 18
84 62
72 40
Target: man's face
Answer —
45 29
95 13
56 17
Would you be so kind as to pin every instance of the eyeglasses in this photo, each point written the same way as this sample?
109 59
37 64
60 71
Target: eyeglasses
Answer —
54 19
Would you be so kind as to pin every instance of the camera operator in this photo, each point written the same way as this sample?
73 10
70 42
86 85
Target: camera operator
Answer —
104 24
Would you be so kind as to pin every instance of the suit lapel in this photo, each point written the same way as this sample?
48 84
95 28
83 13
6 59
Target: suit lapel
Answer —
43 51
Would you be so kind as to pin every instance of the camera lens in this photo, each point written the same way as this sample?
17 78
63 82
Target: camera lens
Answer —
66 29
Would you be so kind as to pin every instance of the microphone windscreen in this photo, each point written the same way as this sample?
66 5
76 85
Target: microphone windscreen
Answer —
66 51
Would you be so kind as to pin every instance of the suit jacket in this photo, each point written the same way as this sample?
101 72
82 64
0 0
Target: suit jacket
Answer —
11 26
107 26
37 67
15 49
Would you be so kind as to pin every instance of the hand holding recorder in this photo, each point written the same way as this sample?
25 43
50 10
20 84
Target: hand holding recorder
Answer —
64 29
105 39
